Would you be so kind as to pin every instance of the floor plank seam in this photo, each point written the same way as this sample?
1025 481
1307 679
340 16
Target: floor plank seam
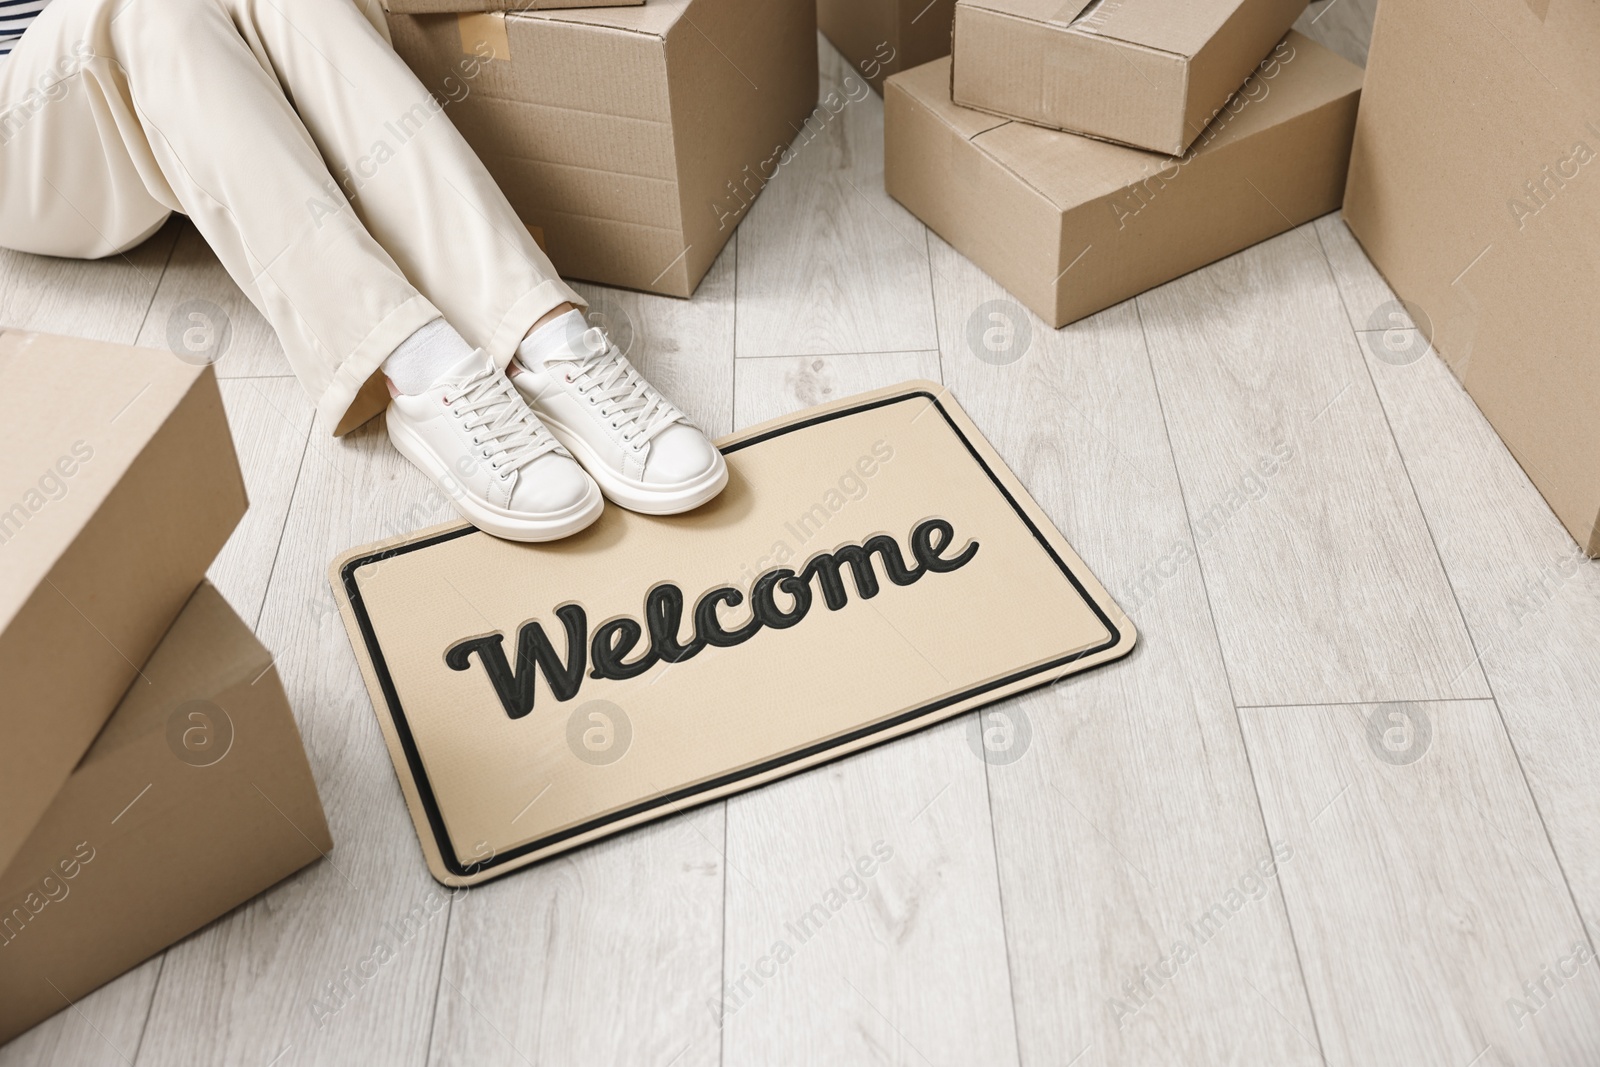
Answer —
1363 703
722 956
1466 625
840 355
150 1006
1000 899
155 290
722 953
438 983
1238 723
294 490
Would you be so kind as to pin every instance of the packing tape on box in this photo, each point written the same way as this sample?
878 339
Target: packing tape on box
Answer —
483 34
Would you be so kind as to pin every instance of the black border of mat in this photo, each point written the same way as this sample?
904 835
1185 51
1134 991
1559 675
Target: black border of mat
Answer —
419 775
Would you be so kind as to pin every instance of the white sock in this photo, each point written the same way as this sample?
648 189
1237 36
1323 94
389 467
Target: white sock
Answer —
425 356
555 337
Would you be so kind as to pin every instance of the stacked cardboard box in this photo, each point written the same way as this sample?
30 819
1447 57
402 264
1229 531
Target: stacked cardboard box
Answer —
1083 154
151 764
1147 73
630 139
1474 187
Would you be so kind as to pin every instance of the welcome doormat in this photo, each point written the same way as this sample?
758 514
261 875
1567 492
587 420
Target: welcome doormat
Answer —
871 568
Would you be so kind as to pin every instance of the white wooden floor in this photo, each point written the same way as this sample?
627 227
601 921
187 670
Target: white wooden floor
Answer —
1379 662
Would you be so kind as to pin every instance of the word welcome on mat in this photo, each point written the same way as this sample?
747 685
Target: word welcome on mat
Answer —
872 568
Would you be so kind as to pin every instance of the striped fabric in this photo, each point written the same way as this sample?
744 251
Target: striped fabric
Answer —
15 17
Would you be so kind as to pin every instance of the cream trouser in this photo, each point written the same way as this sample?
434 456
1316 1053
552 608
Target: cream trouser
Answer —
326 177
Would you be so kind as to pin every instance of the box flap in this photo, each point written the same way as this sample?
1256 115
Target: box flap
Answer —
80 412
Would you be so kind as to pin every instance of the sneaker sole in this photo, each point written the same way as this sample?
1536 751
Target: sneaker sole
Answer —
497 521
643 499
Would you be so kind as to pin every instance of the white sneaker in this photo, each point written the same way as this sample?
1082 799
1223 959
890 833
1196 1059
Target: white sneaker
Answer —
644 452
475 437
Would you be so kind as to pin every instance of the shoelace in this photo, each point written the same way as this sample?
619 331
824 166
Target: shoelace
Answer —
625 397
496 415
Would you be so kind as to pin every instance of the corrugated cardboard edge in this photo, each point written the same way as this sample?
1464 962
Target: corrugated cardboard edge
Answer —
1128 637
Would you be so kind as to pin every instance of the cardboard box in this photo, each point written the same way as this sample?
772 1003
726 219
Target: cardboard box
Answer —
195 797
1475 188
118 486
884 37
423 7
1148 73
1071 225
631 140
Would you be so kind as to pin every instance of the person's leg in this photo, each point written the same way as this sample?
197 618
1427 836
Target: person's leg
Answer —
244 168
409 176
417 186
183 116
192 94
161 105
69 183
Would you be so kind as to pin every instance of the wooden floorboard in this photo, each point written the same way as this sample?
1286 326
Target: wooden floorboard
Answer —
770 388
1122 801
1422 889
271 423
103 300
610 955
100 1030
1531 599
863 912
1322 574
828 262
